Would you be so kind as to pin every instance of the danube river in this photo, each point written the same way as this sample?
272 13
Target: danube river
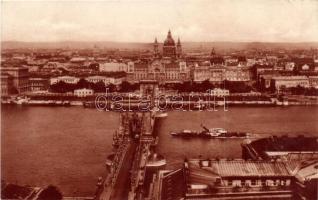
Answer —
67 147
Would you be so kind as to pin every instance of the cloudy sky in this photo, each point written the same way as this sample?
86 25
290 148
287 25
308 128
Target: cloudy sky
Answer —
142 20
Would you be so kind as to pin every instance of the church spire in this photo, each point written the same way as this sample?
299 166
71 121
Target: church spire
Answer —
179 43
213 52
179 49
169 34
156 48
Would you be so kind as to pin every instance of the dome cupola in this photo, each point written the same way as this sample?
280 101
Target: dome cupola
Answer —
169 40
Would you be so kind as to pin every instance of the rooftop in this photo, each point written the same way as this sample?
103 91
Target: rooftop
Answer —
289 77
235 168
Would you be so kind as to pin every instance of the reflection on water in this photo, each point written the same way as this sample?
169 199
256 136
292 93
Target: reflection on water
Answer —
67 146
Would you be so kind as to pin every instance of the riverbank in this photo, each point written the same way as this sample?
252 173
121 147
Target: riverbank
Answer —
127 105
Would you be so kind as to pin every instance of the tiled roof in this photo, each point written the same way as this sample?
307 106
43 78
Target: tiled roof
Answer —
141 65
238 168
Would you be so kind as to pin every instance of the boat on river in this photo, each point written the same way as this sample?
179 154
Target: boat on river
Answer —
212 133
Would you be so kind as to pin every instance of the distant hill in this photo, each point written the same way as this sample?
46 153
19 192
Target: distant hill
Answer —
187 46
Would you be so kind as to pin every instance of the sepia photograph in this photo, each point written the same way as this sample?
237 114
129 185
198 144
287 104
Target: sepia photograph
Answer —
159 99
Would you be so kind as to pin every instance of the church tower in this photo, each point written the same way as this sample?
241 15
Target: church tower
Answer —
179 49
213 54
156 48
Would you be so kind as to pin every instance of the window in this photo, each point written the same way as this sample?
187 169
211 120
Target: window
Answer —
263 182
253 182
230 182
218 181
276 182
282 182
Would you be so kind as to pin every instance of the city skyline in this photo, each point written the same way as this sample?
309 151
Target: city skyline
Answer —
141 21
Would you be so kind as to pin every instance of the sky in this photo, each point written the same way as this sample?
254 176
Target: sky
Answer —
143 20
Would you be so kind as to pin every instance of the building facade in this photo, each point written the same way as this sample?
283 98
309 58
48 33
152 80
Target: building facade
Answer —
6 84
84 92
113 67
106 80
20 77
38 84
281 82
161 70
66 79
313 81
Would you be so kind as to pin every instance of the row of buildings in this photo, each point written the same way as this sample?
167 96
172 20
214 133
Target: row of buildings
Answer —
170 65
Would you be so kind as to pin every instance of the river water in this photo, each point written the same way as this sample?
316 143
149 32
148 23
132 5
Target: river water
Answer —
67 146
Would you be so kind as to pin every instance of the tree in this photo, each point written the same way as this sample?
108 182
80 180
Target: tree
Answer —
126 87
82 83
237 86
99 87
50 193
62 87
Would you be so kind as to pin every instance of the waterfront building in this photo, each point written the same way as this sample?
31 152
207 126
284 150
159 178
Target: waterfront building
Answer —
226 179
156 70
66 79
237 178
280 82
201 72
167 68
6 84
265 78
217 73
137 71
112 67
164 71
237 74
38 84
218 92
313 81
106 80
84 92
20 78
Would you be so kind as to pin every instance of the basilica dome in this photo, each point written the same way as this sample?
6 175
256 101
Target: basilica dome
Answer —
169 40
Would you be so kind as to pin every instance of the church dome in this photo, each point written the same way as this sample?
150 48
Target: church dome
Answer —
169 40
